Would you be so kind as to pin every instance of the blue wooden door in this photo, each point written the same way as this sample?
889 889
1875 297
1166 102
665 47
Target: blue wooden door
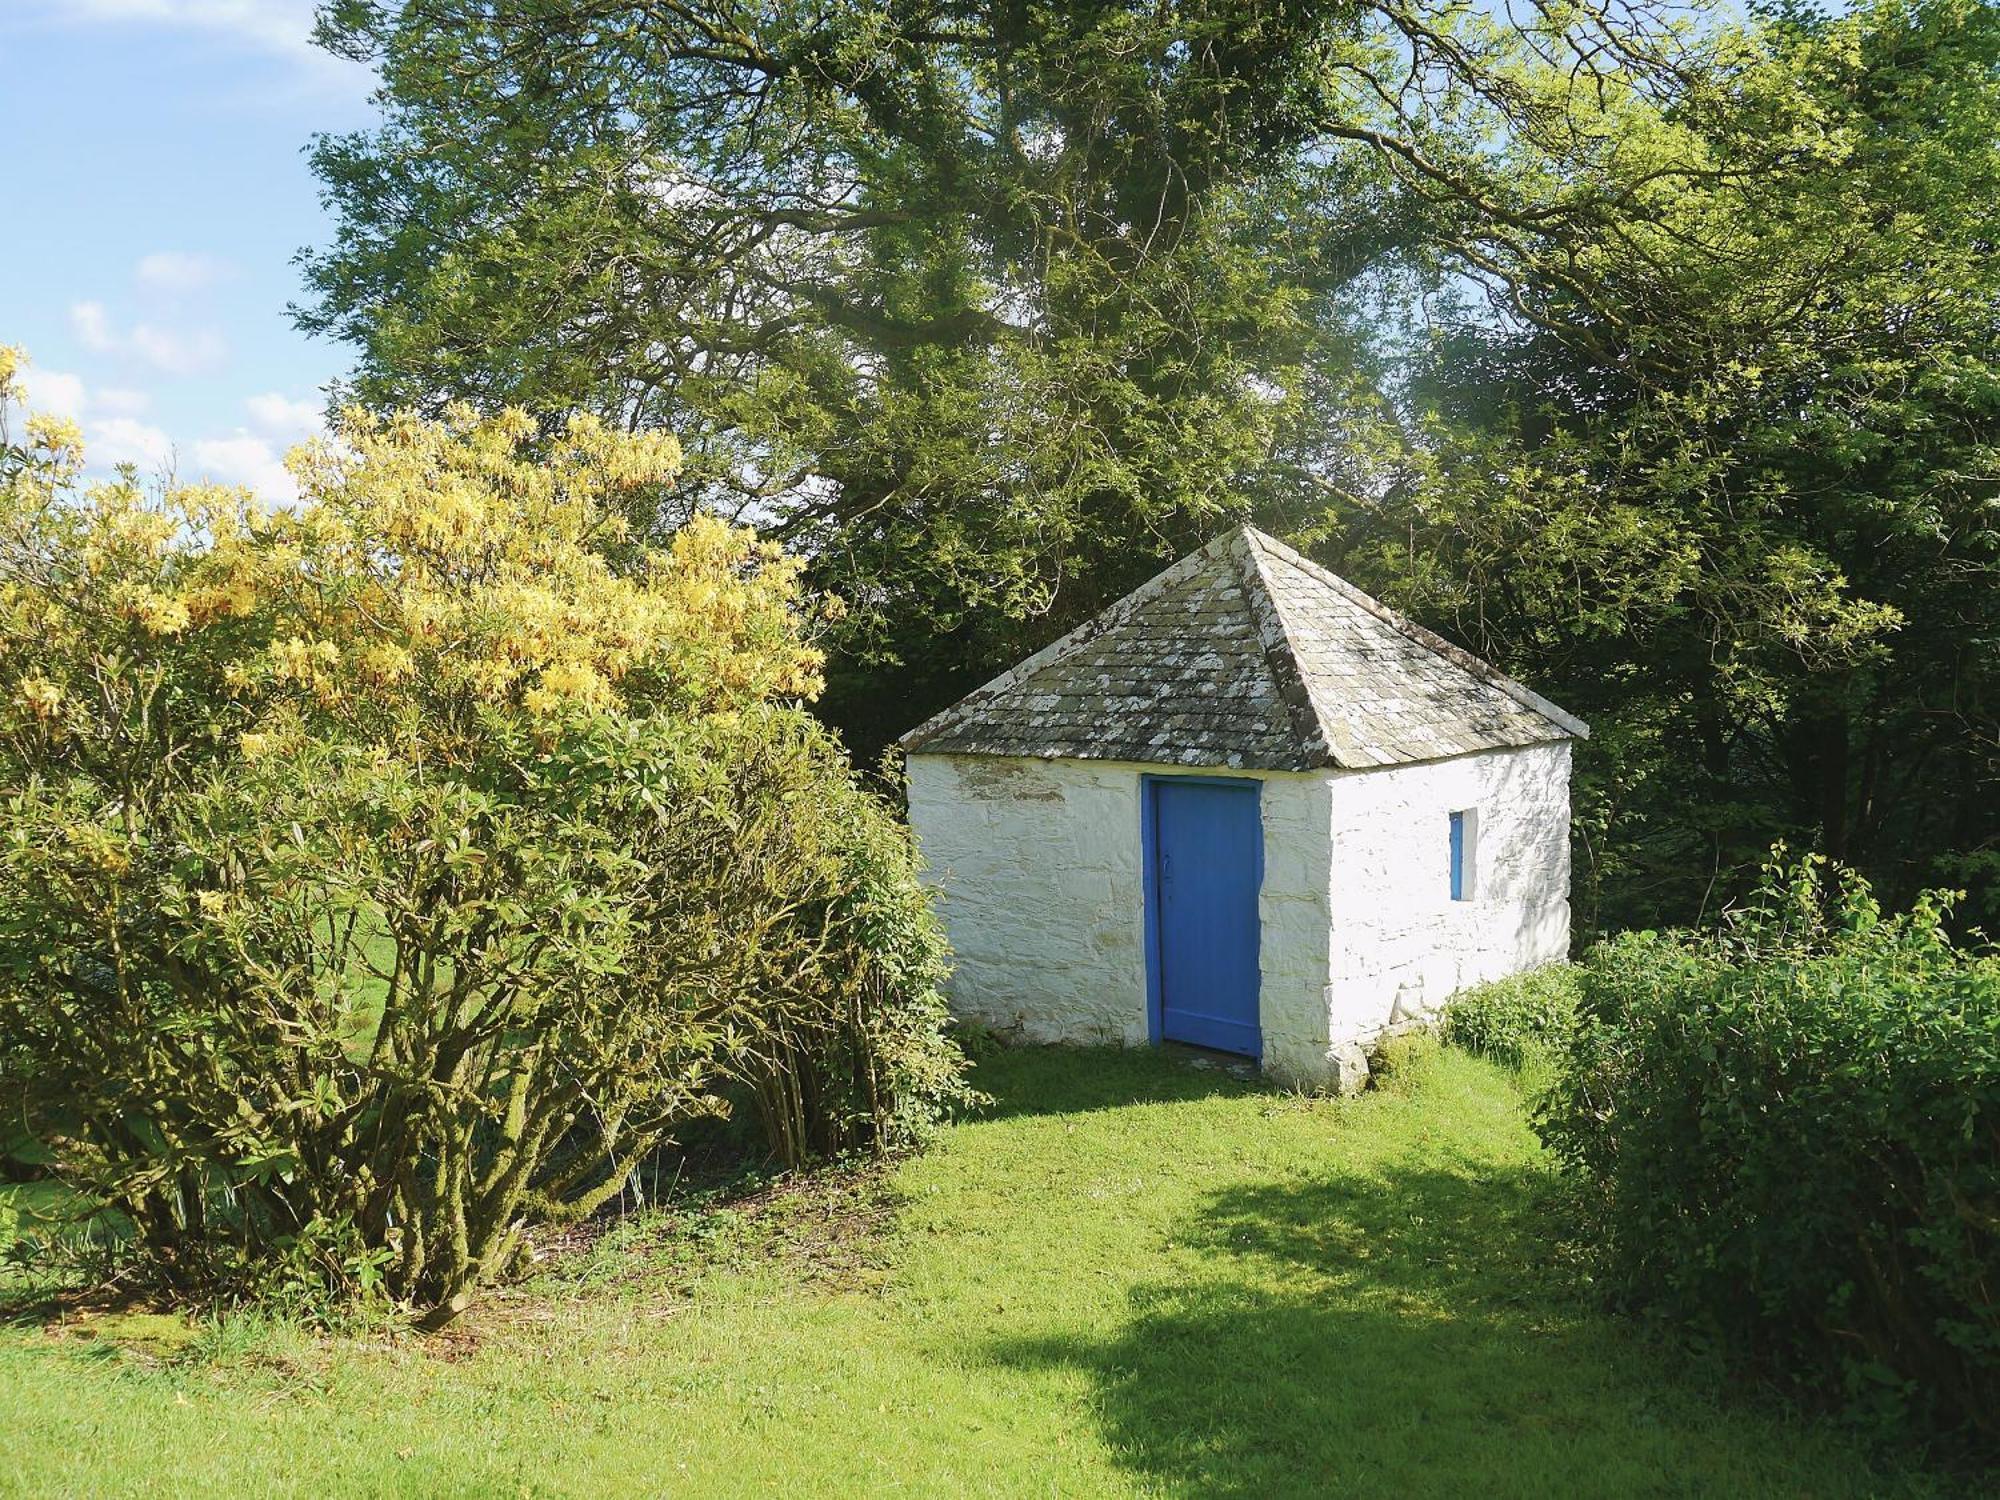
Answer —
1207 863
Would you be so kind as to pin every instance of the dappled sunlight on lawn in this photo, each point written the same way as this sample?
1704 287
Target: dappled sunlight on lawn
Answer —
1077 1080
1359 1327
1129 1276
1401 1326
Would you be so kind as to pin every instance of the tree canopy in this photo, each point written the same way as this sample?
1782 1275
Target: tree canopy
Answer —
1736 494
1649 348
988 307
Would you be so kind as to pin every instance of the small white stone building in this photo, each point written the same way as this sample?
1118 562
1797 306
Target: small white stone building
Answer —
1246 807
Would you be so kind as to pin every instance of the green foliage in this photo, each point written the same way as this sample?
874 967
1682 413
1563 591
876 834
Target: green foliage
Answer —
991 309
384 879
1515 1020
1716 466
849 1048
962 296
1396 1060
1649 350
1789 1139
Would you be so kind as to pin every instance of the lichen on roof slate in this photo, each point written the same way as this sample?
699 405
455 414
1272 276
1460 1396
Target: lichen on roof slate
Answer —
1246 655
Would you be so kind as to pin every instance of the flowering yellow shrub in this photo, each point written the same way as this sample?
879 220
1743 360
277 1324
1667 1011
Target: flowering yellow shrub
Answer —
385 873
430 574
474 569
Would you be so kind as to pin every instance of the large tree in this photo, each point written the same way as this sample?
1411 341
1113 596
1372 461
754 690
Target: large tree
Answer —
1649 349
1727 481
987 306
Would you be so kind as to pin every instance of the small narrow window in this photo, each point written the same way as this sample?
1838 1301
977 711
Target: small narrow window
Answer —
1463 825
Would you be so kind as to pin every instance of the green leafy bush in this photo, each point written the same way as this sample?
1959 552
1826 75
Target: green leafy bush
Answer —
387 876
845 1046
1516 1019
1788 1141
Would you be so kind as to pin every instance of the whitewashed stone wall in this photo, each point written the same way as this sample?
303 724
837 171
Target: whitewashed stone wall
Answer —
1294 949
1037 864
1401 945
1037 868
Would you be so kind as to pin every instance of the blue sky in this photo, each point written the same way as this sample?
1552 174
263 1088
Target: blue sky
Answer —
155 195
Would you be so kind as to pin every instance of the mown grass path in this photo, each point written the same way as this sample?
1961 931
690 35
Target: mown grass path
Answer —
1129 1277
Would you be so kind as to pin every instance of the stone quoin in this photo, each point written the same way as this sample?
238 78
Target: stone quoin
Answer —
1249 807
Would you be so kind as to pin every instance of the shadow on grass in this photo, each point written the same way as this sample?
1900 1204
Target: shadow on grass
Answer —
38 1284
1062 1080
1406 1335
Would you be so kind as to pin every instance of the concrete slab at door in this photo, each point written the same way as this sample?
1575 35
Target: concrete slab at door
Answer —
1205 854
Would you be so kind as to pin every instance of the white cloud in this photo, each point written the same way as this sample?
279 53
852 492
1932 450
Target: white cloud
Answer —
117 401
247 460
281 29
177 272
196 351
279 416
283 26
251 455
65 395
259 55
54 392
122 440
92 325
254 454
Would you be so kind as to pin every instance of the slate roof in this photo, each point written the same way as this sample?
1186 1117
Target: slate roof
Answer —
1246 655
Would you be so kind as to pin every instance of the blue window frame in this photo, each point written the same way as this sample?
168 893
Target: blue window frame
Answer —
1458 856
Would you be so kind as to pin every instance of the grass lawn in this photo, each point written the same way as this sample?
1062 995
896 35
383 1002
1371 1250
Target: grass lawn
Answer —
1129 1277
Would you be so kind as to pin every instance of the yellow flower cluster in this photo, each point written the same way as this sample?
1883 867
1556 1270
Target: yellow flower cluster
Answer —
157 613
59 437
496 588
40 697
431 573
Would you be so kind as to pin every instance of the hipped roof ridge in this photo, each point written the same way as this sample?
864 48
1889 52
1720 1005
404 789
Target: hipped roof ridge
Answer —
1406 714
